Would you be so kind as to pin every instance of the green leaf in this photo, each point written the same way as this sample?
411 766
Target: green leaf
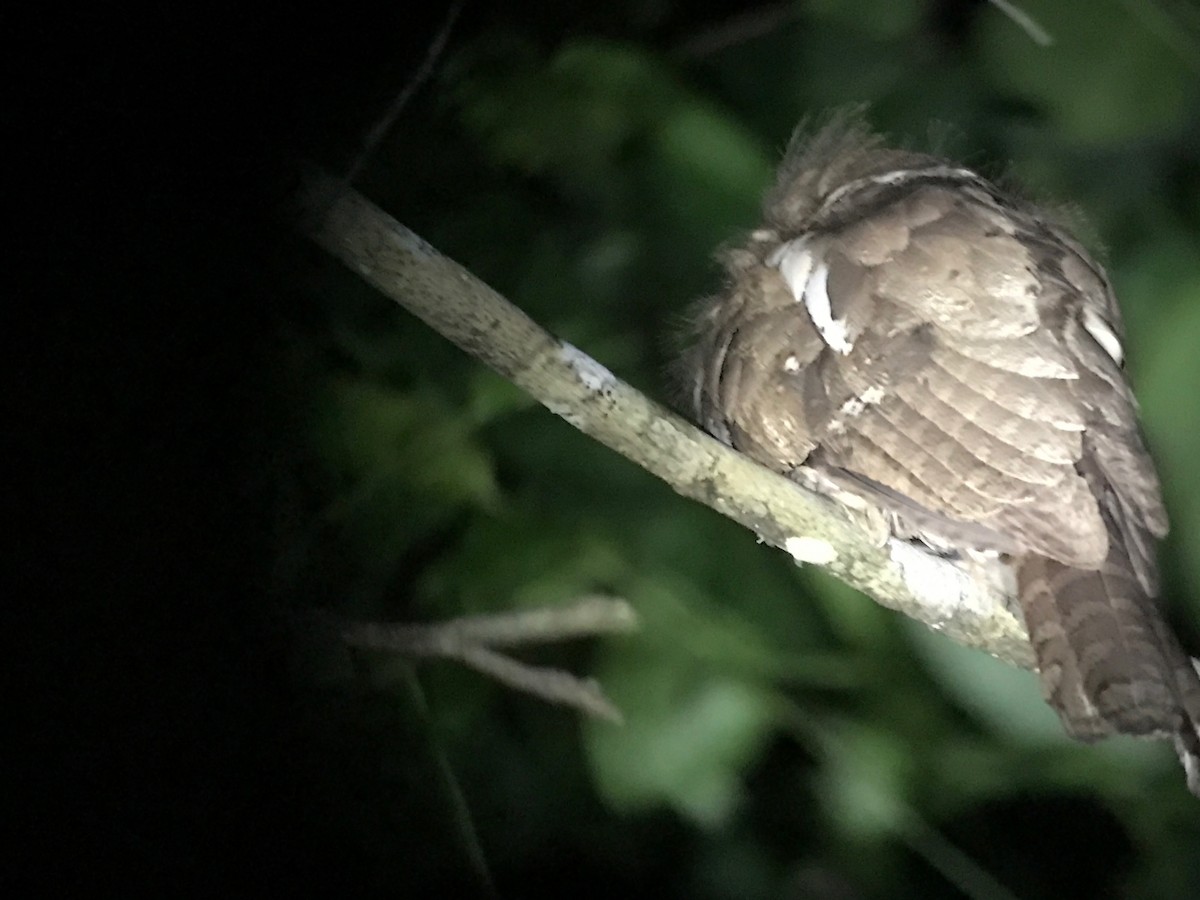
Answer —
523 557
864 783
568 115
884 19
689 734
1167 387
691 726
372 432
1006 698
1009 701
403 463
1109 75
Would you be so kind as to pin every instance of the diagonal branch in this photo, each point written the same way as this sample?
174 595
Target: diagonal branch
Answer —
574 386
471 640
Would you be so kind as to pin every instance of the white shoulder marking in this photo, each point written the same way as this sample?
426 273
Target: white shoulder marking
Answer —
794 263
816 301
1104 335
808 280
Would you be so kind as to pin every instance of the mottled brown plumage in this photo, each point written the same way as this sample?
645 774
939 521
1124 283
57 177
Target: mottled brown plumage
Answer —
901 331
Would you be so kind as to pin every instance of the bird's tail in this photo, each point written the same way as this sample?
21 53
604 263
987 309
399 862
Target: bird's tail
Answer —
1107 658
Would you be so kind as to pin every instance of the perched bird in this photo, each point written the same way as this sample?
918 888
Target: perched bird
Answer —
902 333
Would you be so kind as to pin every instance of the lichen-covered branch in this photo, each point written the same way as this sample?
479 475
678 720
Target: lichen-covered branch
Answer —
572 385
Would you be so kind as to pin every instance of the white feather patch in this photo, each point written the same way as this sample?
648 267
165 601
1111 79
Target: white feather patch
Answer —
1191 766
1104 335
855 405
816 301
809 281
794 263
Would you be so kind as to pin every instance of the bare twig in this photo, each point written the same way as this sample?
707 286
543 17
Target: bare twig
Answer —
580 390
1025 22
470 639
957 867
385 122
586 617
460 811
551 685
739 29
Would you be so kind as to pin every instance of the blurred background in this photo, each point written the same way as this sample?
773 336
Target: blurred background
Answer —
319 449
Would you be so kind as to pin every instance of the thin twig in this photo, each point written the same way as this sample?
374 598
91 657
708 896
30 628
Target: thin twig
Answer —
468 834
1025 22
551 685
586 617
385 122
950 861
469 640
816 737
738 29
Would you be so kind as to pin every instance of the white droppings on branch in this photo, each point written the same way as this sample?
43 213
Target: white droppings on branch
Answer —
812 550
590 373
939 581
